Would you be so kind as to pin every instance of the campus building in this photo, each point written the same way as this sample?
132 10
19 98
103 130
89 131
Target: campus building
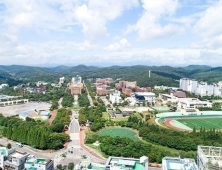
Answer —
178 163
187 103
76 85
144 97
114 97
209 158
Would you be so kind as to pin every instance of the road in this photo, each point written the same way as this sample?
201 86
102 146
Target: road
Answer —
89 97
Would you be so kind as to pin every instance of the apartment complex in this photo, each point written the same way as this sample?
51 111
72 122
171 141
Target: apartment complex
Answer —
209 158
200 88
12 159
76 85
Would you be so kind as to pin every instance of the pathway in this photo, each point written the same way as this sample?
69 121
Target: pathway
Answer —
89 97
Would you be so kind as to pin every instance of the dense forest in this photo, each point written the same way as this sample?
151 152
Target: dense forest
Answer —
36 133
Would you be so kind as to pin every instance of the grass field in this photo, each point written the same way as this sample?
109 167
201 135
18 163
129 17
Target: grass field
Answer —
207 123
106 115
121 132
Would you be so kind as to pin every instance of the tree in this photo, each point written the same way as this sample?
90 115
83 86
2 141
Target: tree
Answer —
9 146
59 167
70 166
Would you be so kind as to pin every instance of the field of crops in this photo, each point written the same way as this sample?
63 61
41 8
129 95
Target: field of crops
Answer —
121 132
207 123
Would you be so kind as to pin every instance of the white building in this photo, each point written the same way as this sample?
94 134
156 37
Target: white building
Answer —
144 97
3 86
61 80
209 157
119 163
15 160
39 83
114 97
39 164
178 163
200 88
186 103
77 80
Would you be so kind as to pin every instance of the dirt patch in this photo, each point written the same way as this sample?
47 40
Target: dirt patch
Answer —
52 117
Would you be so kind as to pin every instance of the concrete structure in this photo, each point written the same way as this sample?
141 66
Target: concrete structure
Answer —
165 88
76 85
127 91
200 88
41 114
3 86
115 97
61 80
121 163
77 79
11 102
15 160
187 103
39 83
126 84
143 89
178 163
39 164
104 81
209 158
144 97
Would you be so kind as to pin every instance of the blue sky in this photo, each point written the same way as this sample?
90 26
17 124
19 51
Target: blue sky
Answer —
114 32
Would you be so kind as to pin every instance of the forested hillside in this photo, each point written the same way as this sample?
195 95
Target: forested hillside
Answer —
160 75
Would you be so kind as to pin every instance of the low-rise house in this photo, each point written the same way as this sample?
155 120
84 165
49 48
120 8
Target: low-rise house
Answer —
39 164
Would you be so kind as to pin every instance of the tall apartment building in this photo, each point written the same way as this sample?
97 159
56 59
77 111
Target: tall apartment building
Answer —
209 158
200 88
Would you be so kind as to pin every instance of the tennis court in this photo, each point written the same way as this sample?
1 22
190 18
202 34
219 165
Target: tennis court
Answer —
207 123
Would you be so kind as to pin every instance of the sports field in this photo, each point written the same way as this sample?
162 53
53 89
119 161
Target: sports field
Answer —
207 123
121 132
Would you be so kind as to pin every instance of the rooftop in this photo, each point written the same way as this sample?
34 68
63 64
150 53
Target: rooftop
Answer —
144 93
17 155
177 163
3 151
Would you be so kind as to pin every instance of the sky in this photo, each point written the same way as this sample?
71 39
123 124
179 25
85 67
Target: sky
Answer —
111 32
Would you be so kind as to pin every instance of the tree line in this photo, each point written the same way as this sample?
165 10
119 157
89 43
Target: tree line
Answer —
34 133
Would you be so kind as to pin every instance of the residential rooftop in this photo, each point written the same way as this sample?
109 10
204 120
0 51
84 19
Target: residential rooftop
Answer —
177 163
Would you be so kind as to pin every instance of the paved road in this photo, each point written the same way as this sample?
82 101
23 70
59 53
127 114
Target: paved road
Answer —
89 97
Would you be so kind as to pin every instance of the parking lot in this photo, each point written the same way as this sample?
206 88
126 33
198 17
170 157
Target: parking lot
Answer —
12 110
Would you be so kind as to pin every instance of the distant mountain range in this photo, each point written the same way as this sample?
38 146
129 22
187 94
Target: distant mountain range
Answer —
160 75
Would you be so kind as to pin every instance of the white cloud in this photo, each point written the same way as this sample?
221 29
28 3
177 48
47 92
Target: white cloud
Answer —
93 16
210 23
122 45
149 26
209 28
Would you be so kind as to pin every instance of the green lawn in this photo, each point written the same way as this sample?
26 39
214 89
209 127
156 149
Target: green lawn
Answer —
106 115
207 123
121 132
120 119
